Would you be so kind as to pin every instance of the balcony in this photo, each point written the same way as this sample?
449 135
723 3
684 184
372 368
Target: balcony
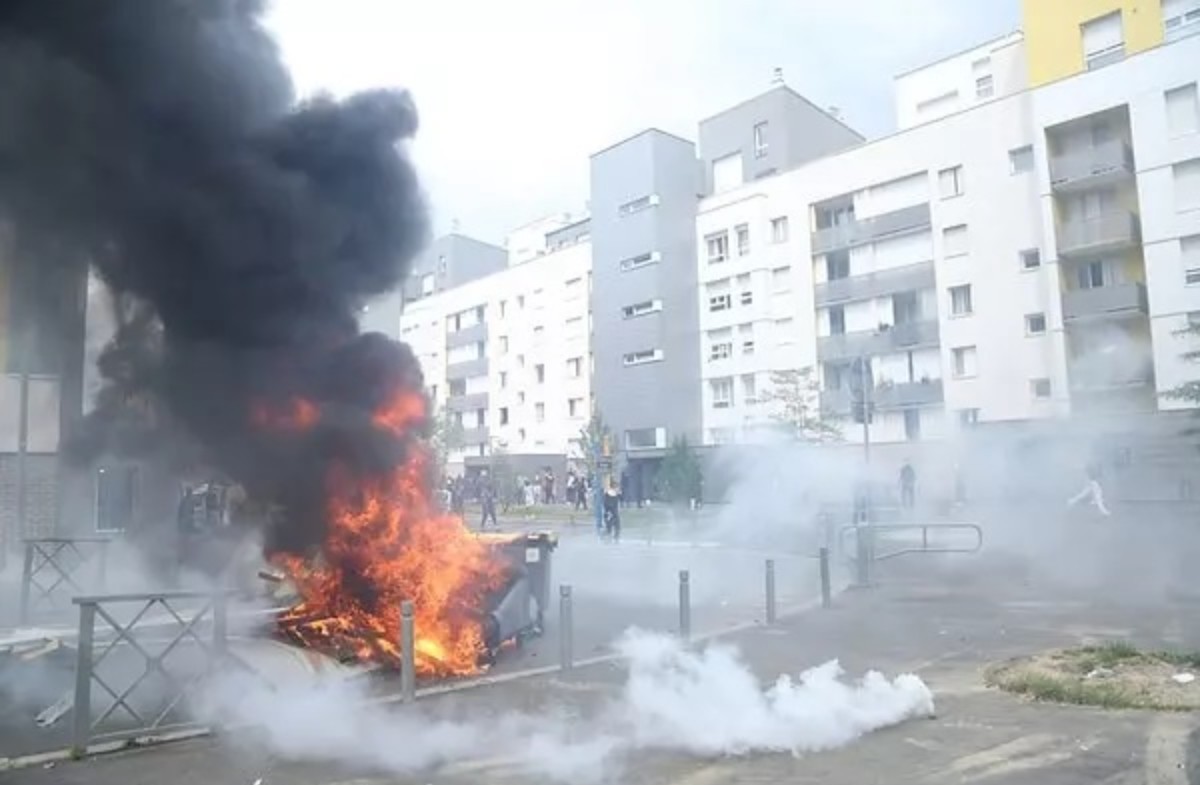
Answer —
467 403
863 231
1090 167
1103 373
897 338
475 436
877 284
1091 236
467 369
473 334
904 395
1120 300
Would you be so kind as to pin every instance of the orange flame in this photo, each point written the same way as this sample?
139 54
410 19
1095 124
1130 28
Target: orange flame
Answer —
297 415
386 543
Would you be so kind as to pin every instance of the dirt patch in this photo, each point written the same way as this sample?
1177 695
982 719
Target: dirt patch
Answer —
1115 675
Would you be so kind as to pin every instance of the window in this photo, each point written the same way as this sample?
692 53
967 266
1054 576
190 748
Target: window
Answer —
539 332
645 438
458 387
1020 160
1193 319
575 367
720 351
504 415
950 182
503 379
574 407
539 371
1092 275
503 308
779 229
720 302
781 280
968 416
637 205
748 346
643 357
520 301
1035 323
1181 18
521 397
539 412
634 262
480 418
520 434
1189 254
749 389
520 360
1191 276
1183 110
718 247
722 393
912 424
954 240
747 297
984 87
1040 388
964 358
641 309
837 320
426 284
837 265
743 239
960 300
1103 41
1187 185
760 140
784 334
1031 259
116 495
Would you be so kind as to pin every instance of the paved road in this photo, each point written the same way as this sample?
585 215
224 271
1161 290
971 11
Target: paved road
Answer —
944 620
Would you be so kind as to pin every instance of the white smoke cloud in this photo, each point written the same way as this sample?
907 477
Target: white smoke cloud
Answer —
705 702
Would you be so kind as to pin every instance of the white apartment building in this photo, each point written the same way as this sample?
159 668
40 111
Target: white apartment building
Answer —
507 354
987 264
994 69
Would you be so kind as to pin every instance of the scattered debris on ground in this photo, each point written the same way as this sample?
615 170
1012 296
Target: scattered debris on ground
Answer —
1112 675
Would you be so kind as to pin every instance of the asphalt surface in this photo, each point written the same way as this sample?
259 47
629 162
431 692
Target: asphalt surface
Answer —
945 618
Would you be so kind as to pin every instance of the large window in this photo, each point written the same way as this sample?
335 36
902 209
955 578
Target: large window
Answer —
116 488
960 300
964 359
1020 160
950 182
718 247
1103 41
645 438
722 393
643 357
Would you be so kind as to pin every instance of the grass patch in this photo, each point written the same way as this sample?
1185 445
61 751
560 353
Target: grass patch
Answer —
1109 676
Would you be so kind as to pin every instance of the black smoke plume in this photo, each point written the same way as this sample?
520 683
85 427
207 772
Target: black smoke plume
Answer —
160 141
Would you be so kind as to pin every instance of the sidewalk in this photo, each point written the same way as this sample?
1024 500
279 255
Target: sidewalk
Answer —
946 623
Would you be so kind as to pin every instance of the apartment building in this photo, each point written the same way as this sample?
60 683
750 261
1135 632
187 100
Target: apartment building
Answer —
1010 258
993 69
505 351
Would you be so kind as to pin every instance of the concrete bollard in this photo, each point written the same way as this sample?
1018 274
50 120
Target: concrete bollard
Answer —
408 654
566 631
685 605
826 597
770 591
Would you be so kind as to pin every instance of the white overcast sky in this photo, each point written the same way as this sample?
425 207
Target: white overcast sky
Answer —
514 95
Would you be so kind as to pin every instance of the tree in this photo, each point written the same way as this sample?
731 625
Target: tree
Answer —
796 398
680 475
590 442
446 434
1187 391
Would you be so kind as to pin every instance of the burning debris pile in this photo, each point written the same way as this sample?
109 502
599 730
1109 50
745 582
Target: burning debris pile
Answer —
161 144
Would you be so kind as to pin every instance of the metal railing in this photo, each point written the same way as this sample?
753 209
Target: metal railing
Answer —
867 541
164 712
55 565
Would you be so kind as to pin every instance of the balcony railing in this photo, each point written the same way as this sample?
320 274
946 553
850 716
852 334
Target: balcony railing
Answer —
467 369
898 337
1085 167
467 403
473 334
1117 300
1107 232
862 231
886 396
877 284
1101 373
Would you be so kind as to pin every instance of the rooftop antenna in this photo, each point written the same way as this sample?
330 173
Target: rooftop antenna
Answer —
777 76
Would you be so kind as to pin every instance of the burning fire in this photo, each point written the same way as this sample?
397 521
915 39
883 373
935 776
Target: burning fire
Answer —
386 543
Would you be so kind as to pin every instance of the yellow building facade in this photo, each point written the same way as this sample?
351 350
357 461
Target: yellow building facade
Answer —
1054 32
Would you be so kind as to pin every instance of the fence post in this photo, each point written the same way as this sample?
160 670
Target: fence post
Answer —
102 568
408 655
685 605
770 591
863 561
826 599
220 624
26 579
82 709
566 630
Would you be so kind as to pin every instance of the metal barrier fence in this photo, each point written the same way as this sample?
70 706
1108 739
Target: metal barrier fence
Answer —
54 565
165 715
867 540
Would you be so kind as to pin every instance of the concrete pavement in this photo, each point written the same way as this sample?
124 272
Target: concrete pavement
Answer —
944 619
